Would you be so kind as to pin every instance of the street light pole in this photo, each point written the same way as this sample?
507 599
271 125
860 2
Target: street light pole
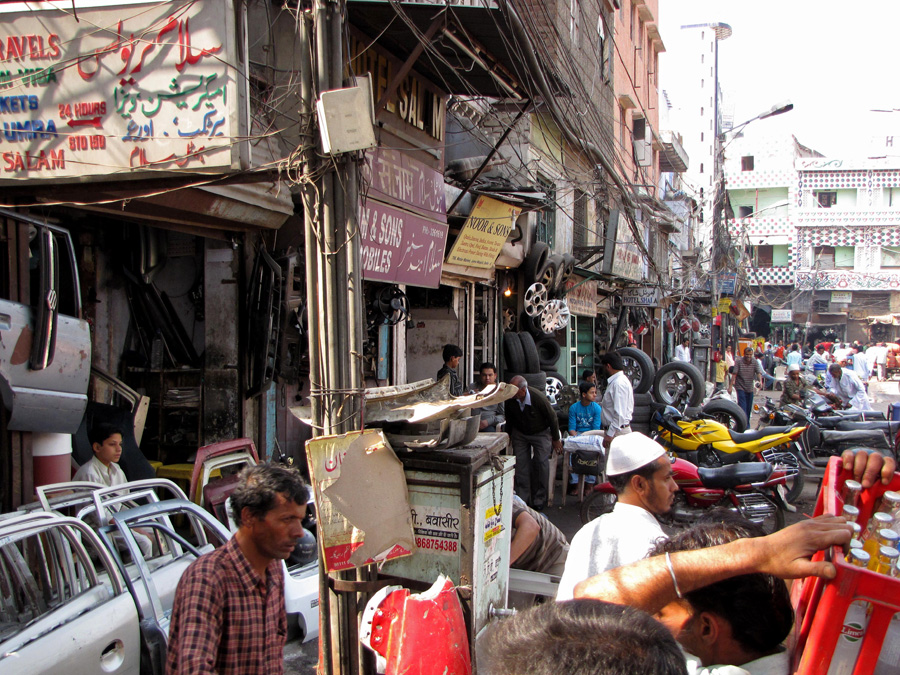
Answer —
717 259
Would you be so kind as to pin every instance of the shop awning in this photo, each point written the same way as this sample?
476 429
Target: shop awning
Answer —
886 319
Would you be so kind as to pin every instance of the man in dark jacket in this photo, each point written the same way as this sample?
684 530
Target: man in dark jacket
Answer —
533 433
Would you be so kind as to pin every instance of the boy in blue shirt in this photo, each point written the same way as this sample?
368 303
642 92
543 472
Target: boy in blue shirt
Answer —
584 416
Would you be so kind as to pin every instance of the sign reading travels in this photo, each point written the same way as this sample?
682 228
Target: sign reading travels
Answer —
402 220
118 90
486 229
622 256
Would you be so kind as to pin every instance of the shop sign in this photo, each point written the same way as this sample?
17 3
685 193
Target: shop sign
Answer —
641 296
398 179
841 297
622 257
782 316
484 233
724 305
725 282
117 91
581 297
400 247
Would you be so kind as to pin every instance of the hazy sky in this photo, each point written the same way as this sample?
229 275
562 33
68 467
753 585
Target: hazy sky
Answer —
834 60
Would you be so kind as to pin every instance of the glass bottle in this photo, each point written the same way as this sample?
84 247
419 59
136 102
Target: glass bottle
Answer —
885 538
879 521
850 512
851 491
887 558
853 630
890 503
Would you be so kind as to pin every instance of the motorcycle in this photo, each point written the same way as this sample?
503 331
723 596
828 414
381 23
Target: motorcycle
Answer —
828 432
708 443
750 489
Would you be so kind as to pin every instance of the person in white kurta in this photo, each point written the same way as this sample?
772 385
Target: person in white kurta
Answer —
642 475
95 471
846 385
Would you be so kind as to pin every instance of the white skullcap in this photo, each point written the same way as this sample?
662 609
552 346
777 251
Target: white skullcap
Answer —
630 452
793 367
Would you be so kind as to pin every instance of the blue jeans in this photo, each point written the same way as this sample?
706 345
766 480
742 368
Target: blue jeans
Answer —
745 401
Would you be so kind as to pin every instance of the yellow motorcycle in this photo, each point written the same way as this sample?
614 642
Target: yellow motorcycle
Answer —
707 443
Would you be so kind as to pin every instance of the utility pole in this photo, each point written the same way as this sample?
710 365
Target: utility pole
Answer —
329 189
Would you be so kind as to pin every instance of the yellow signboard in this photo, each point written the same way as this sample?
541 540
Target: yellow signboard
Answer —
481 238
724 305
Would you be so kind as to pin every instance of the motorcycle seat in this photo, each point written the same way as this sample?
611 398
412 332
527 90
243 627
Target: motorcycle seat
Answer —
888 426
735 474
756 435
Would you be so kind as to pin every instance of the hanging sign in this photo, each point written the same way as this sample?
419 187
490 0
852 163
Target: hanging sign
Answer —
484 233
622 256
581 296
782 316
640 296
841 297
118 91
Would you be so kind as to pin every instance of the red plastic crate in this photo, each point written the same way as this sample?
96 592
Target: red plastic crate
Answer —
821 605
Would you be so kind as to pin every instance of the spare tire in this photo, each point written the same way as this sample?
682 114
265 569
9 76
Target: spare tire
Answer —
512 350
568 269
532 361
535 262
638 368
643 400
678 383
548 352
727 412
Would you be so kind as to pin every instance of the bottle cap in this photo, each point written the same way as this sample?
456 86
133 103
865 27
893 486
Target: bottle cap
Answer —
888 537
857 529
882 517
891 497
856 543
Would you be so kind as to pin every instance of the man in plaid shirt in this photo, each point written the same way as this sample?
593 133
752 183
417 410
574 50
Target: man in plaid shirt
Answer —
229 614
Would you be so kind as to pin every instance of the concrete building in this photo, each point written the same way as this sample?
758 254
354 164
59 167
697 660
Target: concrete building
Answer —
816 236
690 73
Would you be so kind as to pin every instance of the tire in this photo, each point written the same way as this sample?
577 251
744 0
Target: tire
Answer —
678 383
549 352
568 269
795 483
532 361
547 275
643 400
531 323
537 380
595 505
558 264
638 368
535 262
728 413
512 350
554 385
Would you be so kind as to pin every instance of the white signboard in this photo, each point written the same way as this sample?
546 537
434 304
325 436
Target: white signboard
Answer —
782 316
640 296
117 90
622 256
841 297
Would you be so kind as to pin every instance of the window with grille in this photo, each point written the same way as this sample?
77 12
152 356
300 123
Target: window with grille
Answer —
747 163
579 220
826 198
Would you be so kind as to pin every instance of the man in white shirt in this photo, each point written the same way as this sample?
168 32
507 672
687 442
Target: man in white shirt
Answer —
642 475
820 356
876 357
618 400
842 352
846 386
861 366
683 351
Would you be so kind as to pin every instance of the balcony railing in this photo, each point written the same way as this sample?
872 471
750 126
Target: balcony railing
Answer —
817 217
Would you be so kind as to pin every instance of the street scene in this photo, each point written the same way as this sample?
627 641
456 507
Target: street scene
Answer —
449 337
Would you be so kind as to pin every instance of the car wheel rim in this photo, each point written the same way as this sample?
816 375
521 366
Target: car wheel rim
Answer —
633 371
554 389
675 388
535 299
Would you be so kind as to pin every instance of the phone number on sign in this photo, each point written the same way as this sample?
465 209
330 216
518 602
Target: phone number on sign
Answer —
429 544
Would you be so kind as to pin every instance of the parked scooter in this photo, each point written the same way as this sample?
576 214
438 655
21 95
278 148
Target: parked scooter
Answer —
830 433
708 443
749 488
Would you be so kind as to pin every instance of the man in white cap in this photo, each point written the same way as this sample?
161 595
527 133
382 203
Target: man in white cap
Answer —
641 473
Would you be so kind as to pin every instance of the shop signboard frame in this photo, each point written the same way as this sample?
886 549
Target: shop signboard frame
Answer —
125 90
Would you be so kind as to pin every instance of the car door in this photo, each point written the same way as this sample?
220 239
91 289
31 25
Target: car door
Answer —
45 345
63 605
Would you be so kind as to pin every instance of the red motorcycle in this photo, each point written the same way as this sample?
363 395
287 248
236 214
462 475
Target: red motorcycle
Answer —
750 488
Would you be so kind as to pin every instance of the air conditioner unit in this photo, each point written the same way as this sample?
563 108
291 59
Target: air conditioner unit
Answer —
643 152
